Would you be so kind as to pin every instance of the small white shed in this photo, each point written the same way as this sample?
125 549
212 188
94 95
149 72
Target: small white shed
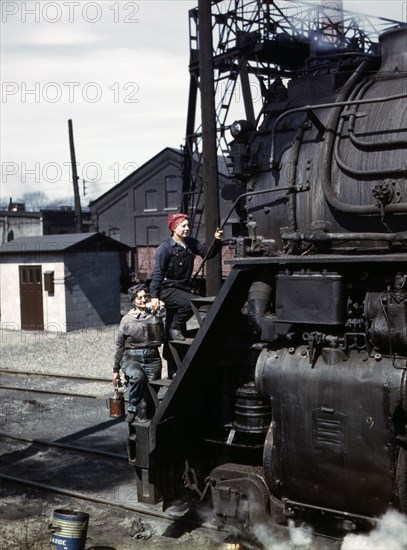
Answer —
60 283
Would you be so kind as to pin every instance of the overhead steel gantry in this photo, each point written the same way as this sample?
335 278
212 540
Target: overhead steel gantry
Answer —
253 43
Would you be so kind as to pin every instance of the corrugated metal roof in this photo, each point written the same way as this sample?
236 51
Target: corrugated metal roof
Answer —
57 243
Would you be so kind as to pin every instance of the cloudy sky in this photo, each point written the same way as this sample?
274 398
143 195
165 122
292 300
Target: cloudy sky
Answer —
117 69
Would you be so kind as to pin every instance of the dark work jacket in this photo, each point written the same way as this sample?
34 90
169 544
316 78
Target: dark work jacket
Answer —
174 263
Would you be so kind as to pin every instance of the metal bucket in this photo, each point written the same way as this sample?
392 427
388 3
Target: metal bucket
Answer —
115 406
69 528
155 332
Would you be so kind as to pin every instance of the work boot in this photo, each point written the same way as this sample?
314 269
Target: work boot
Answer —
176 334
131 415
141 415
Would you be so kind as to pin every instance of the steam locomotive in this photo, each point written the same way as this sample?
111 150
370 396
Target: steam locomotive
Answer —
291 400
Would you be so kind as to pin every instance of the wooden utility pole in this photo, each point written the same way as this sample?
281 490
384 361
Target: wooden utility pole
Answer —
209 146
78 211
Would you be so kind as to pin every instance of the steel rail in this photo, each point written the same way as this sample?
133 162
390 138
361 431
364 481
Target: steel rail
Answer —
138 509
81 496
52 392
53 375
48 443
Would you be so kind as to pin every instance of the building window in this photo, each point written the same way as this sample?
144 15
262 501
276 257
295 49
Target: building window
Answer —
151 200
171 192
152 236
114 233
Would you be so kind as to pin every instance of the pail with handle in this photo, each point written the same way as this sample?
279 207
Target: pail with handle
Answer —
115 404
69 529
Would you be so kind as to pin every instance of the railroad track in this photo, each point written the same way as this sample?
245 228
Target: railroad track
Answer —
78 497
81 464
47 379
60 445
71 492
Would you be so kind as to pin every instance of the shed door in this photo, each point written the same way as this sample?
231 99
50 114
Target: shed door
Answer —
32 315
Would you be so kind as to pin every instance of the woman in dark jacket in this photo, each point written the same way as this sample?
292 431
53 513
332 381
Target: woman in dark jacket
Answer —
174 262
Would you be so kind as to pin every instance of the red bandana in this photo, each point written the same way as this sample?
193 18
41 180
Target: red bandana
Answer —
175 219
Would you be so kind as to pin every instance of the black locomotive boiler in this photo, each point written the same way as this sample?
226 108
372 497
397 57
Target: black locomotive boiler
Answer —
292 398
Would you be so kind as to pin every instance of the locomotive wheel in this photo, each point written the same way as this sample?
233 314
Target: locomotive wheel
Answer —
401 479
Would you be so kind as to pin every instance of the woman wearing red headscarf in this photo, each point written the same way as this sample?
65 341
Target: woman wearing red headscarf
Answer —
174 263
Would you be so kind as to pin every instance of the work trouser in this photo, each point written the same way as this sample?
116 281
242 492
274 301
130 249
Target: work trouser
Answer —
140 366
180 301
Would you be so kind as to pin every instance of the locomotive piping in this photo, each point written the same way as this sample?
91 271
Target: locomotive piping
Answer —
370 145
311 108
356 172
369 519
317 236
292 219
326 153
258 302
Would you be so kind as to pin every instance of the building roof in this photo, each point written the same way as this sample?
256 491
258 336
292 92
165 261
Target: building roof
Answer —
61 243
144 172
140 172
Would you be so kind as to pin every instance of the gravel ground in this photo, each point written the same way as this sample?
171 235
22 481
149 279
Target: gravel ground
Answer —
86 352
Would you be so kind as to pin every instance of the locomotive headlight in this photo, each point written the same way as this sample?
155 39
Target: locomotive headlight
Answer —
240 130
236 128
